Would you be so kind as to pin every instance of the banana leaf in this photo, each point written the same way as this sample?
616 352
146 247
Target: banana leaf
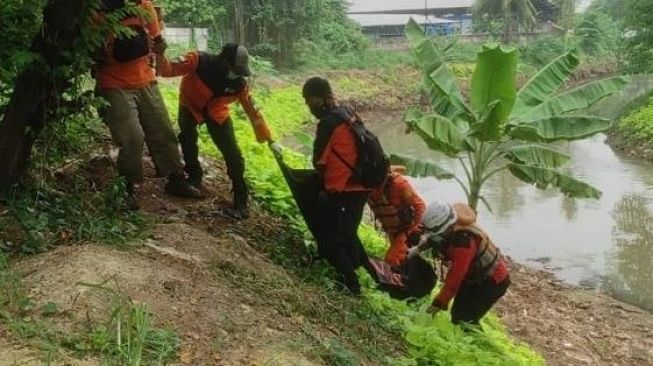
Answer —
546 82
559 128
544 178
579 98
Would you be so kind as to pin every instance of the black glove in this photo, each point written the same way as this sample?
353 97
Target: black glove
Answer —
413 238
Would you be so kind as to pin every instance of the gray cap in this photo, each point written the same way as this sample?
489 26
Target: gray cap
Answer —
241 62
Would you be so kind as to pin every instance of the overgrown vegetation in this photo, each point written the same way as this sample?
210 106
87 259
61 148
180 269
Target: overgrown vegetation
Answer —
499 128
639 124
284 109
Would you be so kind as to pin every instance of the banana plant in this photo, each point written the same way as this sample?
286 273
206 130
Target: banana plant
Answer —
501 128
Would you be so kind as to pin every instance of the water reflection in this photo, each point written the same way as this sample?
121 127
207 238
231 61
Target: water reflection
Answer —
575 236
630 264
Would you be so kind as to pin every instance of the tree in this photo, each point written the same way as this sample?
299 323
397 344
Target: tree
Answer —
502 128
59 54
513 13
638 17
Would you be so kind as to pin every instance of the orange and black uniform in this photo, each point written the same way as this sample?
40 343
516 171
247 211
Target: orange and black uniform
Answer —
136 113
475 289
399 209
205 95
343 198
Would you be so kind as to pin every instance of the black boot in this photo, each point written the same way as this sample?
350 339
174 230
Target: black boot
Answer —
240 209
195 175
178 186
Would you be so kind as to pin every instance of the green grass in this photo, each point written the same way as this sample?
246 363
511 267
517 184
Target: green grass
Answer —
430 341
639 124
126 337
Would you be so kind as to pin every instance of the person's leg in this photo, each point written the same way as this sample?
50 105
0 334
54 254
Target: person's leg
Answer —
162 143
188 136
224 137
398 250
352 253
121 116
477 300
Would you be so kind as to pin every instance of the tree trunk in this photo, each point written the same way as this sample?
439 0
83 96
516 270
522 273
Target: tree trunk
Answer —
507 29
36 88
239 22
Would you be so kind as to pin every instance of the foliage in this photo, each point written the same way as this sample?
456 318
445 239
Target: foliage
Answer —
639 124
540 51
512 13
597 33
285 111
638 38
19 21
501 128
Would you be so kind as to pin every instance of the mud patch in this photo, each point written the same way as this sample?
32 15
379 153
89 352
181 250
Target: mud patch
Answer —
571 326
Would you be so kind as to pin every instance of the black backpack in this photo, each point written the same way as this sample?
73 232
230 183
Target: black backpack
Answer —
132 47
372 164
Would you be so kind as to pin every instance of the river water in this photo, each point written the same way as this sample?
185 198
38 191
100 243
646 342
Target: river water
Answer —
604 244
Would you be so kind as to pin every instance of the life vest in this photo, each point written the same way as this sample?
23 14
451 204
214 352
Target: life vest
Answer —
212 70
393 219
128 48
487 255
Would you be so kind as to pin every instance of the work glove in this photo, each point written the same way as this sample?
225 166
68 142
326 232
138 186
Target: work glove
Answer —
414 251
413 239
277 150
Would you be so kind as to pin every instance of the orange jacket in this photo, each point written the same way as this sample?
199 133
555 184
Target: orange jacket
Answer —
334 142
134 74
397 192
195 95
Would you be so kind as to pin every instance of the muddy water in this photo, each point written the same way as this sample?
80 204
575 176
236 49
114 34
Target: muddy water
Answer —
605 244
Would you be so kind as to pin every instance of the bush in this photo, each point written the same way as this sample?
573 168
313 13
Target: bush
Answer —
539 52
639 123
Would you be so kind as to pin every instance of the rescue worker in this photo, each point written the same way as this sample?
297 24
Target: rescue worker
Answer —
136 113
209 85
342 200
399 209
478 274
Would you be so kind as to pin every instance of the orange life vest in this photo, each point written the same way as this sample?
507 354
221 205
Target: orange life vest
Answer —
487 254
393 219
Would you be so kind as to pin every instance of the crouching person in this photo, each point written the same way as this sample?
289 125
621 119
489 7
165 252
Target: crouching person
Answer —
399 209
478 274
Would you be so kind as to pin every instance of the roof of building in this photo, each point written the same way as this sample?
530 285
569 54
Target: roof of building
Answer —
406 6
377 20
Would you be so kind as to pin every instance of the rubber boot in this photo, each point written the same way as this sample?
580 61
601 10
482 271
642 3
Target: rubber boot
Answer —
178 186
195 175
240 209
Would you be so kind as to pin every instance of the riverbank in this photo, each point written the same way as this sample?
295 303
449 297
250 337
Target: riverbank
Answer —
574 326
195 264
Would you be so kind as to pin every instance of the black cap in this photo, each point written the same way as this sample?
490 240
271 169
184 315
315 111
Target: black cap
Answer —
238 58
317 87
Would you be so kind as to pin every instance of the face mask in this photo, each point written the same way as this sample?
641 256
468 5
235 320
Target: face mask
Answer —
232 75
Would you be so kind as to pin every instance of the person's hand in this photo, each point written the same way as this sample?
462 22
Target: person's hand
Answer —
277 150
413 251
159 45
433 309
413 239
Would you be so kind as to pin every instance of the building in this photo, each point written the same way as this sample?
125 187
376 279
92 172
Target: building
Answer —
384 21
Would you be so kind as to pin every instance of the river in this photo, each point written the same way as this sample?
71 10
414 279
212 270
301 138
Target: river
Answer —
604 244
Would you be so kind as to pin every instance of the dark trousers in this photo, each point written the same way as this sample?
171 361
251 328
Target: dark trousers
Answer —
474 300
223 137
341 246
